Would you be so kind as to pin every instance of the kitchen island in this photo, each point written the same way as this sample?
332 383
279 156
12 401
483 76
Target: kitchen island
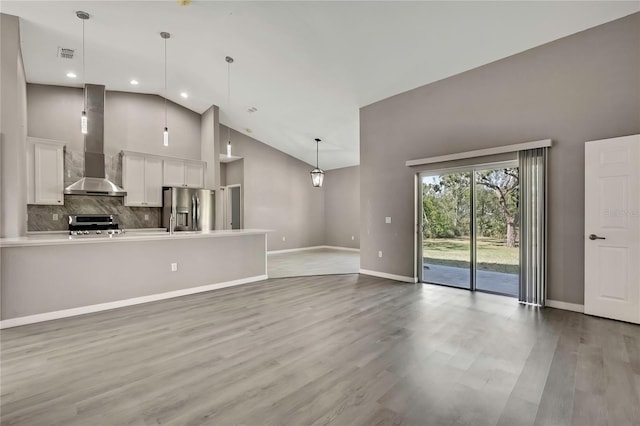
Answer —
53 276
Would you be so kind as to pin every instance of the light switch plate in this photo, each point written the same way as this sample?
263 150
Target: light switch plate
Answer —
146 217
55 216
387 219
380 253
174 267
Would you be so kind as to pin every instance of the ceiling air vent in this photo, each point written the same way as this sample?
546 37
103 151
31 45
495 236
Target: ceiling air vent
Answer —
252 109
65 53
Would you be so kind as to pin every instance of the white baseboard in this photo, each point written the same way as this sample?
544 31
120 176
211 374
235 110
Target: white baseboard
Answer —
565 305
311 248
294 249
412 280
48 316
341 248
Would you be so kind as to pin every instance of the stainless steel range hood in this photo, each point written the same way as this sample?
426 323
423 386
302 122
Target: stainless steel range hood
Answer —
94 181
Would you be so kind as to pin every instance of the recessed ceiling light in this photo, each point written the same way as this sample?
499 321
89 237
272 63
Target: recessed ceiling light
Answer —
134 82
71 75
184 95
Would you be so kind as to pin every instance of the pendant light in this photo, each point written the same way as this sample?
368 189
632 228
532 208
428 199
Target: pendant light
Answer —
165 36
83 117
229 60
317 174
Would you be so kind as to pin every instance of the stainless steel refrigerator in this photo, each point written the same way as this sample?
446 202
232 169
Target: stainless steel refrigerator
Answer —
188 209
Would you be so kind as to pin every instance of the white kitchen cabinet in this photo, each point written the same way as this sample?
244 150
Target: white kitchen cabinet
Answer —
194 174
153 182
173 173
133 179
142 179
184 173
45 172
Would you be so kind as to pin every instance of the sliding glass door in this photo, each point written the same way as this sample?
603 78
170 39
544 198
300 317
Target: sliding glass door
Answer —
470 228
446 229
497 230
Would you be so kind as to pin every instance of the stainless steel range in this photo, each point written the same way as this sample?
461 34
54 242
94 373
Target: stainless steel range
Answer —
94 225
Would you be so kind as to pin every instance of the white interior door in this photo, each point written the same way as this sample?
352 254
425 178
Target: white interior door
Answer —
612 228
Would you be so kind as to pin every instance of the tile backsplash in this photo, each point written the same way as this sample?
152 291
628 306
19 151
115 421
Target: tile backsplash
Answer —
40 218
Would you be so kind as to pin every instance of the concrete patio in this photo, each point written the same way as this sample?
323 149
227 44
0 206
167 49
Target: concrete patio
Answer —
495 282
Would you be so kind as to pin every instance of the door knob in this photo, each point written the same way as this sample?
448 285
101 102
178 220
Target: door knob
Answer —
595 237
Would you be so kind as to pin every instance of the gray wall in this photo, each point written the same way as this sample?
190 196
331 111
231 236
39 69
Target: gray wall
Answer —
223 174
234 173
278 194
209 147
143 269
342 207
579 88
13 130
208 151
133 121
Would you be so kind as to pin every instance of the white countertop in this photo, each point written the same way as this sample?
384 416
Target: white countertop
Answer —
48 239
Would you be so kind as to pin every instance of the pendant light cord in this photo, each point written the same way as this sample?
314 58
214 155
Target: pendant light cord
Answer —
317 143
84 78
165 82
229 99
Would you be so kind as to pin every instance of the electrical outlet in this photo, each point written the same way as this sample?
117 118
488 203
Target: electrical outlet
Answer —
387 219
55 216
174 267
353 237
380 253
284 238
146 217
69 173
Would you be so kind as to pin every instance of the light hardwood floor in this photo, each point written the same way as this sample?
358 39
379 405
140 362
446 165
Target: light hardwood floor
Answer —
333 350
322 261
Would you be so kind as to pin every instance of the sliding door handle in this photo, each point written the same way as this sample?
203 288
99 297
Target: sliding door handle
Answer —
595 237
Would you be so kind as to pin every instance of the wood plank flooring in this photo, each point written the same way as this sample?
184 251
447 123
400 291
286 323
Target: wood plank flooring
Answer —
322 261
332 350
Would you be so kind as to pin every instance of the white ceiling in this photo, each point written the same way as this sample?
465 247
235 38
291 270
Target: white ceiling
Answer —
307 66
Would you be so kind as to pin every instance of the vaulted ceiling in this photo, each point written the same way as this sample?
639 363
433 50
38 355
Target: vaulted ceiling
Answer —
306 66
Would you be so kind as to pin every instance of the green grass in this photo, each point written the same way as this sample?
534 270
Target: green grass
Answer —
492 254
